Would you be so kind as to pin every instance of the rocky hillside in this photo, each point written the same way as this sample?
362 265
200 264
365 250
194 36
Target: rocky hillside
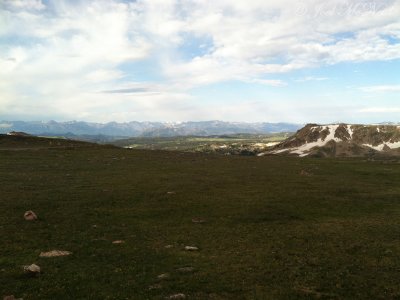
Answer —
341 140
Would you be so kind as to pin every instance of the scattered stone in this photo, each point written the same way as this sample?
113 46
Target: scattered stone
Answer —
169 246
177 296
118 242
186 270
304 173
32 269
11 297
155 287
163 276
191 248
198 220
30 216
55 253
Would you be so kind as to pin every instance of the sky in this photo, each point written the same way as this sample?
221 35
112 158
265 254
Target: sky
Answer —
307 61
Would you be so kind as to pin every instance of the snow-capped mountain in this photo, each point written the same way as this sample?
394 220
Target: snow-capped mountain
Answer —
150 129
341 140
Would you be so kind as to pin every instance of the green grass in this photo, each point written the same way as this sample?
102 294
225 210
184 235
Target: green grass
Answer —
198 143
270 233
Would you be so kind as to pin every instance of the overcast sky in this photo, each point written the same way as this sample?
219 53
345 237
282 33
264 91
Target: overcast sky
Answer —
236 60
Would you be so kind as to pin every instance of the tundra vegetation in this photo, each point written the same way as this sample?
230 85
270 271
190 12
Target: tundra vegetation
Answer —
267 227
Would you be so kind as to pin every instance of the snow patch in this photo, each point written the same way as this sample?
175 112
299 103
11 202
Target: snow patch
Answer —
271 144
280 151
380 147
394 145
331 135
350 131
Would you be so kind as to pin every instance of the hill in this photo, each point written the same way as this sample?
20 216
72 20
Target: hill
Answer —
21 141
265 227
341 140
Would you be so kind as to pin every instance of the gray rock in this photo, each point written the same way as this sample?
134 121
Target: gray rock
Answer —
32 269
191 248
177 296
55 253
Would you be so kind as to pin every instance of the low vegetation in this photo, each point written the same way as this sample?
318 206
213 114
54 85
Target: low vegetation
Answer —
248 144
263 227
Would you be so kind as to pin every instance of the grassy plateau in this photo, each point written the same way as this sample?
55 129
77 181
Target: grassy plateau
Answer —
274 227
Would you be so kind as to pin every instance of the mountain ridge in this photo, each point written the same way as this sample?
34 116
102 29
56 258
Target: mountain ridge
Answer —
341 139
145 129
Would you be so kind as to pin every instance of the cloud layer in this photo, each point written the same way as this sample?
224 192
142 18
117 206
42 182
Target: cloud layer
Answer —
102 60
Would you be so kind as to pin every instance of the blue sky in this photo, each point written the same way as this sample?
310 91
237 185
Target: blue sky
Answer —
169 60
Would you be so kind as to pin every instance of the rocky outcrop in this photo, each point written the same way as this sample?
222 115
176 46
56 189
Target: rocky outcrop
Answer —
341 140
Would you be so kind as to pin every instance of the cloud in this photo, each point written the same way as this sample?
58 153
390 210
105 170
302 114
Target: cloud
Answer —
380 110
311 78
381 88
24 4
127 91
270 82
56 57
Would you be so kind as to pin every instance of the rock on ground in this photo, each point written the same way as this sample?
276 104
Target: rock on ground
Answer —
198 220
118 242
55 253
177 296
30 216
32 269
191 248
163 276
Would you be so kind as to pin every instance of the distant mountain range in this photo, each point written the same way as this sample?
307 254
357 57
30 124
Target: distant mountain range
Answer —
145 129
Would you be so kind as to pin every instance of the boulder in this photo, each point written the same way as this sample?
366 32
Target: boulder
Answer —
32 269
30 216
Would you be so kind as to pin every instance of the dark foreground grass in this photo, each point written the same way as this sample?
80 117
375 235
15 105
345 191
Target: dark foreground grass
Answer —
271 233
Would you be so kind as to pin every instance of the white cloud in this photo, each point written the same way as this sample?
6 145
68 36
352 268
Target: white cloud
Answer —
270 82
380 110
311 78
381 88
24 4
